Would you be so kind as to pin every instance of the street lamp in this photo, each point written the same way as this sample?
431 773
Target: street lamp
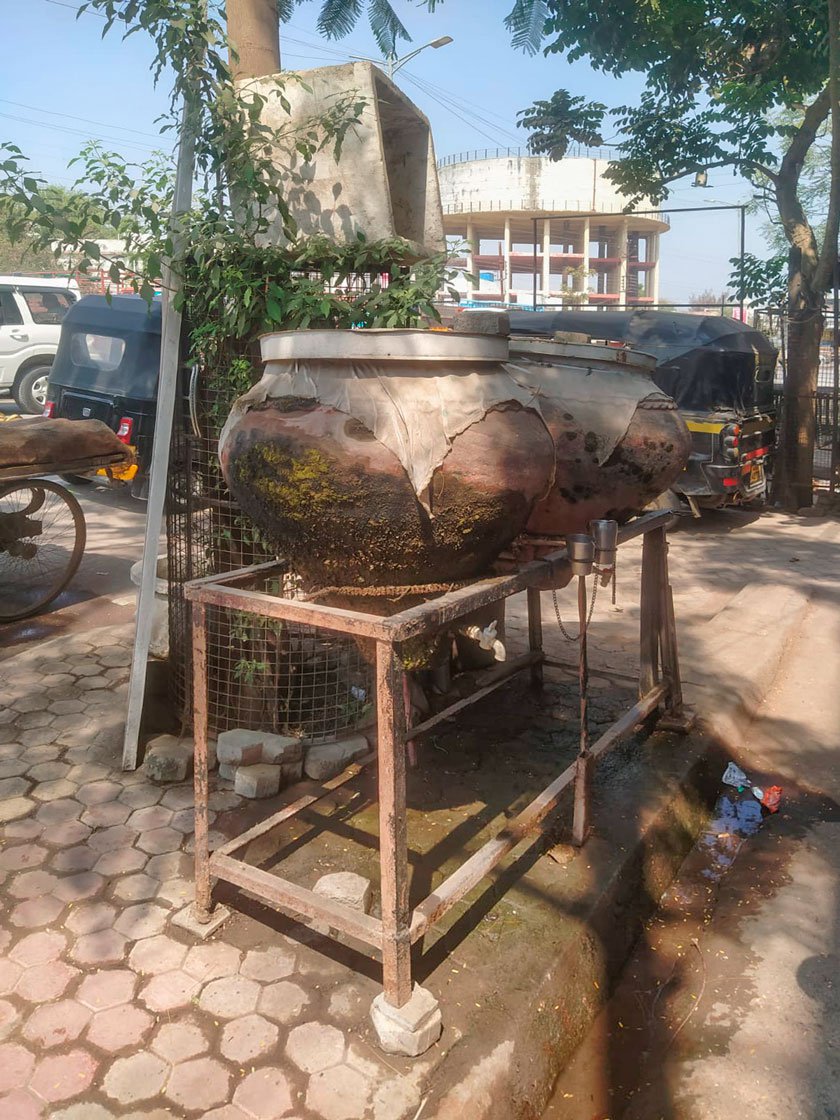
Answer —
394 64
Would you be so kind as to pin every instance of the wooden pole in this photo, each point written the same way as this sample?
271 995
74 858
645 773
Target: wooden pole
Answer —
254 33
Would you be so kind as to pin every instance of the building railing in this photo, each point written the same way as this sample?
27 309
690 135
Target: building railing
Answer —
572 206
575 151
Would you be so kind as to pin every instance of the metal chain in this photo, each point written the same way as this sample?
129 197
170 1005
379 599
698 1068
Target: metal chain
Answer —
569 637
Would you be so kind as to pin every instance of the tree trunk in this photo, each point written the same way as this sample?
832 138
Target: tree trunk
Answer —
795 467
254 32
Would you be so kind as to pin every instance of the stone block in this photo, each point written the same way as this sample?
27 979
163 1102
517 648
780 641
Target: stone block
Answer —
240 747
410 1029
257 781
291 772
227 771
168 759
348 888
482 322
577 338
325 760
281 748
186 919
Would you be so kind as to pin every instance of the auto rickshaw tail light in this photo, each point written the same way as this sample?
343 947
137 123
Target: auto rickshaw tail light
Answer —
125 430
730 438
49 410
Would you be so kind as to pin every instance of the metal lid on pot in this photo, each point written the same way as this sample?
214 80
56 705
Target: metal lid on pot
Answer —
541 350
402 345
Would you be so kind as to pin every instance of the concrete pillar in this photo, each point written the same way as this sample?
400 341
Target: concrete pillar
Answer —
585 266
622 266
506 270
654 272
546 262
472 250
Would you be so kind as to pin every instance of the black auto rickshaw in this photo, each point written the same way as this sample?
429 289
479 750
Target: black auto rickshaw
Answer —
106 368
720 373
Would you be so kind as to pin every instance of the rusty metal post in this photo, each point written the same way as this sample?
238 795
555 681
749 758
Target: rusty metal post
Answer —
649 626
393 829
535 634
675 718
203 906
583 766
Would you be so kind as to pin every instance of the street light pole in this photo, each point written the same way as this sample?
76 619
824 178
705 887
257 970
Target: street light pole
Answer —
395 64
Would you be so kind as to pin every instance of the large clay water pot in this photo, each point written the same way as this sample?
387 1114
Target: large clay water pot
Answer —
387 457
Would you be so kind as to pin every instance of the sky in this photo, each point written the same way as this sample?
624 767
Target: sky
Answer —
62 84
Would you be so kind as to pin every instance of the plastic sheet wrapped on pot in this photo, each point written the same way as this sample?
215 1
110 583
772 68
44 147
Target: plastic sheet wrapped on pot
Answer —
619 441
387 457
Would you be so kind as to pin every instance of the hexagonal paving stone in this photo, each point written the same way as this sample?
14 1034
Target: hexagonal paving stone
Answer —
315 1046
155 816
66 707
22 857
157 954
75 888
13 767
283 1001
80 858
211 961
90 917
176 892
65 834
49 771
119 1027
173 865
31 720
340 1093
21 1105
10 973
106 946
274 963
177 1042
36 912
107 989
109 839
133 888
9 1018
83 772
54 791
144 920
84 1111
169 990
160 840
14 807
31 884
16 1065
198 1084
120 862
63 1076
184 821
13 787
52 1024
23 830
38 948
229 1112
44 982
137 1078
230 997
36 702
264 1094
141 796
247 1038
55 812
106 815
181 797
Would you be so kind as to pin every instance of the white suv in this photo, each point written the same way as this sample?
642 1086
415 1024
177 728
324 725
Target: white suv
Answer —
31 310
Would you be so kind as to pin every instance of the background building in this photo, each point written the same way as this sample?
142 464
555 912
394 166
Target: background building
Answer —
589 251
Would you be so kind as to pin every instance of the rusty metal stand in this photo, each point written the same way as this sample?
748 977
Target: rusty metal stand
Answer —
401 926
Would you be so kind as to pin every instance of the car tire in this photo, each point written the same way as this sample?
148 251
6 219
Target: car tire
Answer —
30 389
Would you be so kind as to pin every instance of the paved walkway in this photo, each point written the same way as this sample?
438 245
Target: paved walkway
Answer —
106 1010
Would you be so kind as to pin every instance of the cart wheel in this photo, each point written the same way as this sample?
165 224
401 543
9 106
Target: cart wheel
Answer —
42 539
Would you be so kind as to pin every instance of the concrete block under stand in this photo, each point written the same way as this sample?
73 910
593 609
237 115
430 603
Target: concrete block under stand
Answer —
348 888
410 1029
262 780
325 760
168 759
227 772
281 748
240 747
291 772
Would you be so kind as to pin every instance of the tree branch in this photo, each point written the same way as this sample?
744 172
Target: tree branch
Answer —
795 221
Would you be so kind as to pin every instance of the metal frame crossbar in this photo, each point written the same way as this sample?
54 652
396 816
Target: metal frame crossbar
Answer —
401 925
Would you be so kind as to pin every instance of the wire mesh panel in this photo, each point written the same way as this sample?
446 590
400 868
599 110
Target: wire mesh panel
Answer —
286 677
